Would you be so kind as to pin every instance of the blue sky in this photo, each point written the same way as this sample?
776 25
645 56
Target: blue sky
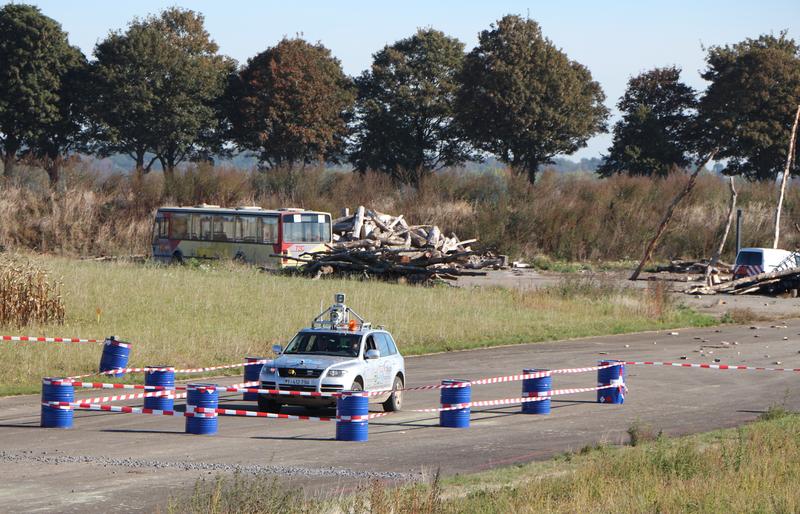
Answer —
614 39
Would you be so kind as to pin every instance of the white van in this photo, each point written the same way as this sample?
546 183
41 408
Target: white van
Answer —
752 261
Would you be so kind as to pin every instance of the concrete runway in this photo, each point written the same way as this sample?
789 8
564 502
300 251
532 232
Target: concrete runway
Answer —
125 462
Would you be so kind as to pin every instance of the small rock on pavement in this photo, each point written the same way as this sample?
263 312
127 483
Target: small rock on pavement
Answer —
717 359
777 363
754 327
674 333
683 357
785 338
627 346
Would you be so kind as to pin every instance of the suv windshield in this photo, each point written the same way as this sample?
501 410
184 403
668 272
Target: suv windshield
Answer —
325 343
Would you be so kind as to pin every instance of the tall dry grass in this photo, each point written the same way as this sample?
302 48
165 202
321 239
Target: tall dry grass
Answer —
28 296
567 217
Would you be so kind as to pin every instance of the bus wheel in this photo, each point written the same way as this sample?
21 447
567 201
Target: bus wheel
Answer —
177 258
239 257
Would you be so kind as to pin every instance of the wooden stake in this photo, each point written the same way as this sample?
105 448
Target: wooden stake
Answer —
648 252
785 179
731 210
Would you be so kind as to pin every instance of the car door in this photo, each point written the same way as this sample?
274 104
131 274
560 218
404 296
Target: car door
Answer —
387 368
372 380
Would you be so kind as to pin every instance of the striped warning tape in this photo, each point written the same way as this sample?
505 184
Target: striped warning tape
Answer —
708 366
187 370
532 397
124 409
31 339
257 414
499 380
132 396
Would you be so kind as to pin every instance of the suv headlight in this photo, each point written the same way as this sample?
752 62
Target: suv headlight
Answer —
337 372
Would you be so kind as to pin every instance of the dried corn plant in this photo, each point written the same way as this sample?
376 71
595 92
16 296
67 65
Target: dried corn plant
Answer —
27 296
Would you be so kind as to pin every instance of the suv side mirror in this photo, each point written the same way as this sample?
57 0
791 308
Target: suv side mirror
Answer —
372 354
277 349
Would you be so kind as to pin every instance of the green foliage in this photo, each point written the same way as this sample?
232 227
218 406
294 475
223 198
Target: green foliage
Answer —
405 103
524 100
654 135
749 107
37 68
158 88
290 105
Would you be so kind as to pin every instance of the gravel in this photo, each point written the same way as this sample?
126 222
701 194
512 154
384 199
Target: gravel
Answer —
23 456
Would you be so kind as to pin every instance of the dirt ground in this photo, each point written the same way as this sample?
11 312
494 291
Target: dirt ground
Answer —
756 307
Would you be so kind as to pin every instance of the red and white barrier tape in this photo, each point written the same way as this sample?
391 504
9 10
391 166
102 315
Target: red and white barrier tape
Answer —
133 396
708 366
257 414
103 385
534 397
177 371
31 339
127 410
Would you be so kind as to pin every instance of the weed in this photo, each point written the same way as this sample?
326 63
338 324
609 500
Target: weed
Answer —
640 432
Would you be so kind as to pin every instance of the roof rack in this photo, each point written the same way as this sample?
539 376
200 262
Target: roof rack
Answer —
337 317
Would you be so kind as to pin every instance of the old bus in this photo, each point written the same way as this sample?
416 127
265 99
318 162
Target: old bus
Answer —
248 234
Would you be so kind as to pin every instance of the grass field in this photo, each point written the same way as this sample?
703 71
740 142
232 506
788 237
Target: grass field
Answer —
192 317
754 468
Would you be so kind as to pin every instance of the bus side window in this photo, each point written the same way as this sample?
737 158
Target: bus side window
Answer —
250 229
269 229
194 223
238 229
179 224
205 227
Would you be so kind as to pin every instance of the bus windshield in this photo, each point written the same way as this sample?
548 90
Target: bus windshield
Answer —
306 228
325 343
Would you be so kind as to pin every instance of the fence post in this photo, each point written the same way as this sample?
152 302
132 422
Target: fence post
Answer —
57 390
352 416
535 386
614 375
455 418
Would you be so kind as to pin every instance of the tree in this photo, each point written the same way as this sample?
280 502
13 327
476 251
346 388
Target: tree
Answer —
158 88
748 108
290 105
35 60
405 112
655 132
524 100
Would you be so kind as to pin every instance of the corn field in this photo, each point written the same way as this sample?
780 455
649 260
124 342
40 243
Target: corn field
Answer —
26 295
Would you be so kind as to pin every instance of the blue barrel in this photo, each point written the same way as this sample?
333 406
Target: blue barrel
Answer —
352 405
57 390
251 374
160 376
115 355
206 396
457 418
607 376
536 385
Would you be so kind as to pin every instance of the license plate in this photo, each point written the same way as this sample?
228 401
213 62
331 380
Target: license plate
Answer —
297 381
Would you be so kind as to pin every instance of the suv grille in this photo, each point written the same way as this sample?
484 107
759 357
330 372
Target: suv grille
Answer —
299 372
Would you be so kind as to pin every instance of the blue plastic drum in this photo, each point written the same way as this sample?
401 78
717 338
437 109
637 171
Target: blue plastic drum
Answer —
115 355
607 376
536 385
57 390
352 405
207 397
251 374
456 418
160 376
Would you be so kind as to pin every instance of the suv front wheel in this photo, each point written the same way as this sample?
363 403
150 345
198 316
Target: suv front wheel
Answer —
394 402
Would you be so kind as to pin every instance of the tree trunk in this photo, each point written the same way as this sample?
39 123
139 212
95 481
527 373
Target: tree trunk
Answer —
648 252
53 169
721 247
785 179
139 172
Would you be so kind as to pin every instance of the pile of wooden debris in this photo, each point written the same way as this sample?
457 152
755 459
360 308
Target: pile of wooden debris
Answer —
374 244
774 282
